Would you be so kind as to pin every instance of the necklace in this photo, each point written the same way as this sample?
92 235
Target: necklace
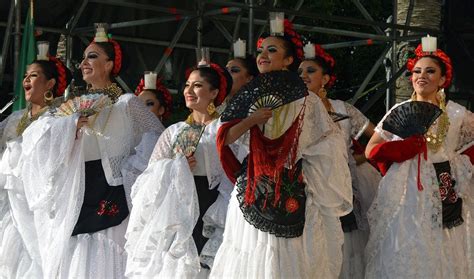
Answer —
190 119
434 139
25 120
436 134
113 91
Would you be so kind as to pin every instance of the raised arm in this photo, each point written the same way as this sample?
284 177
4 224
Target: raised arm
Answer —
260 116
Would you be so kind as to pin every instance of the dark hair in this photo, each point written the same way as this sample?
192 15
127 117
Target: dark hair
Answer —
159 96
51 72
327 70
108 48
249 64
213 78
439 62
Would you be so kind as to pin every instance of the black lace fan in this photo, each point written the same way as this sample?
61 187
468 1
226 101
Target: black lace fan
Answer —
270 90
411 118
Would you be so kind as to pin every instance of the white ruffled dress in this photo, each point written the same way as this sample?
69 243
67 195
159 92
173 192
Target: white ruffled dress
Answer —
247 252
166 209
14 258
47 186
407 238
365 180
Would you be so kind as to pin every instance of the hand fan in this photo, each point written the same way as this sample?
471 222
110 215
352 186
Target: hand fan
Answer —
269 90
411 118
86 105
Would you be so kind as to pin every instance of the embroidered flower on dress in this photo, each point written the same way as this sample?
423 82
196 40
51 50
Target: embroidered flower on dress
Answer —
446 188
291 205
107 208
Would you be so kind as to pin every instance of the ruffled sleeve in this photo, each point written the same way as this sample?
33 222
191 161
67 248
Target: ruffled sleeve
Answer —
359 121
466 133
53 178
8 128
143 120
325 162
163 148
165 211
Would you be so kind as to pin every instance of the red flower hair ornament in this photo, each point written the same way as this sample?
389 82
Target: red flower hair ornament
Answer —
222 81
319 52
161 89
62 81
419 53
101 36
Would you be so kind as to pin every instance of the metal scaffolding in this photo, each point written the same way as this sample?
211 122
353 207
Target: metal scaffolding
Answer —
238 13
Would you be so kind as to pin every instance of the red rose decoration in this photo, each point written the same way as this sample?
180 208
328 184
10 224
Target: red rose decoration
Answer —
291 205
107 208
443 191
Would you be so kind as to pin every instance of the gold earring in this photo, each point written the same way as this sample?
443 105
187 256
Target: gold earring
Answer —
211 109
48 96
322 93
413 96
441 96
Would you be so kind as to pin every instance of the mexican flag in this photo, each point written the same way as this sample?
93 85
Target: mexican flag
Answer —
27 56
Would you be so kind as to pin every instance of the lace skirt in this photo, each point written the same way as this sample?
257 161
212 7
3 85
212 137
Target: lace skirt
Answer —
247 252
96 255
407 237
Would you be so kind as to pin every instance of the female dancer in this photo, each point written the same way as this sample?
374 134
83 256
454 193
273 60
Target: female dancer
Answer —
157 97
317 71
298 236
72 176
420 221
180 201
44 80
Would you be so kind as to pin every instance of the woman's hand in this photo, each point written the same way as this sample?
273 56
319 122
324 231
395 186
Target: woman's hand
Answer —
192 162
359 158
260 116
81 122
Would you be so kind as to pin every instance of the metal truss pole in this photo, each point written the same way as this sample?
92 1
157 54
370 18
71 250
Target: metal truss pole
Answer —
369 76
17 42
169 49
250 38
367 16
6 41
389 102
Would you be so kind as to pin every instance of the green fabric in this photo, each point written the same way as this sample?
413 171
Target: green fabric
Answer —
27 56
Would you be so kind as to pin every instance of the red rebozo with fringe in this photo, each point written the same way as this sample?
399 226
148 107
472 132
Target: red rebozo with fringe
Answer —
229 161
267 157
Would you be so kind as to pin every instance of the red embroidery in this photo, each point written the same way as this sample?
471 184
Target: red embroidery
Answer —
446 188
291 205
107 208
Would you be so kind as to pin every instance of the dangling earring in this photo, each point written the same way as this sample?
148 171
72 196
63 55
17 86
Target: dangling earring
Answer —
322 93
441 96
211 109
413 96
48 97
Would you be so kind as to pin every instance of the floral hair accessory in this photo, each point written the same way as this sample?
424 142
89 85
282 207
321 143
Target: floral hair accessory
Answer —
419 53
222 84
160 89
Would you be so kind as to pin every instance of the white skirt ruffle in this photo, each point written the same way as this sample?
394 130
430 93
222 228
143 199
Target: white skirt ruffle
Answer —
96 255
247 252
